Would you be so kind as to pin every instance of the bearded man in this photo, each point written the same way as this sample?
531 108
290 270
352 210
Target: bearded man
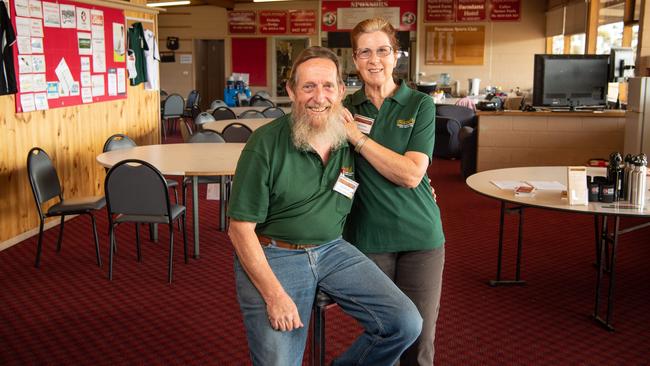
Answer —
293 189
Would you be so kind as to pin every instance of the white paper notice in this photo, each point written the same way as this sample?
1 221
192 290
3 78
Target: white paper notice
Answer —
26 83
112 82
40 84
37 45
98 85
86 95
22 8
97 32
84 43
35 10
27 102
52 90
83 19
64 90
24 64
85 64
65 76
24 45
38 63
68 17
97 17
40 101
74 90
23 26
36 28
121 81
99 55
85 78
51 15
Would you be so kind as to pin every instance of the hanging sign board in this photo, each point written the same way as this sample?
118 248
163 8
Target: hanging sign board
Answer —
470 10
344 15
302 21
242 22
273 22
505 10
439 11
454 45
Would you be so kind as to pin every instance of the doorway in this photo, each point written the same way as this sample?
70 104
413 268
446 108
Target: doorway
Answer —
285 50
210 70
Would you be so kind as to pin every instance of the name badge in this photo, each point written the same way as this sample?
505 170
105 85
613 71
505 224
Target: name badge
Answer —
345 186
364 124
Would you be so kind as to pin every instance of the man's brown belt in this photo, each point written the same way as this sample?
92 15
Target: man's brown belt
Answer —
265 240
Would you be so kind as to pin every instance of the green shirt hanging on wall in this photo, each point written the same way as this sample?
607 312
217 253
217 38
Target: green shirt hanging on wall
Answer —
138 45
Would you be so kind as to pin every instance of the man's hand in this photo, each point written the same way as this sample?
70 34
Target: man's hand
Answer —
283 314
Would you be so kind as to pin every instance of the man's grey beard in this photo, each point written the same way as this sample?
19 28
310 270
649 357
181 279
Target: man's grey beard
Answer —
305 130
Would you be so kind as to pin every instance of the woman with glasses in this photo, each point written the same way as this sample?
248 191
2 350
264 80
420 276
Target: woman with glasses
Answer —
394 218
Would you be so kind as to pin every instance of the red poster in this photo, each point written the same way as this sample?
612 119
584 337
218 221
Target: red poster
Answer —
470 10
439 11
302 21
241 22
505 10
404 12
273 21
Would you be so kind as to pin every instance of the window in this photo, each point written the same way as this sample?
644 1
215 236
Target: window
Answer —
577 44
609 35
558 45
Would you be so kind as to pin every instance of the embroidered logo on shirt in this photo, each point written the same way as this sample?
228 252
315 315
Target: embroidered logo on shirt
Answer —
405 123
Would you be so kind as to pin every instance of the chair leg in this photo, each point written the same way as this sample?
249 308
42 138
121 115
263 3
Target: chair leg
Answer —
58 242
137 242
318 336
39 246
171 251
111 250
164 129
183 223
99 258
176 195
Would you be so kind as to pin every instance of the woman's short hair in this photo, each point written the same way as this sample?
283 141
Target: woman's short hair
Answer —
310 53
376 24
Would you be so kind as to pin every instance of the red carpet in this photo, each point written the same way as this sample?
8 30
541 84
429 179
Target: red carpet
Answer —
68 313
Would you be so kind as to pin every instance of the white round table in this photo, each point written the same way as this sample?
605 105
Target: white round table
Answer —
482 183
188 160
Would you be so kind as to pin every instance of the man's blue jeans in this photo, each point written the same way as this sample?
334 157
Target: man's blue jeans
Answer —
361 289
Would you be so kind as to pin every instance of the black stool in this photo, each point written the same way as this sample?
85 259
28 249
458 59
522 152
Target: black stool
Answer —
321 303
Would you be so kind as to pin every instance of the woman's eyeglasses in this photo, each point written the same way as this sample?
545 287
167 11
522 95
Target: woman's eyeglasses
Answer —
382 51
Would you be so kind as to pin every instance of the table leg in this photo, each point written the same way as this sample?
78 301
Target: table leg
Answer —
195 214
222 203
517 281
153 232
602 260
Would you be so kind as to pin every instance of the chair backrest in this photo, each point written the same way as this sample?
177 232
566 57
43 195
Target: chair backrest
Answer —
251 113
222 113
202 118
465 116
192 99
206 136
261 102
264 94
163 94
217 103
273 112
42 176
135 187
117 142
236 132
186 130
173 106
195 111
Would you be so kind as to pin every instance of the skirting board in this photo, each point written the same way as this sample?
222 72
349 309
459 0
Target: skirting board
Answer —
28 234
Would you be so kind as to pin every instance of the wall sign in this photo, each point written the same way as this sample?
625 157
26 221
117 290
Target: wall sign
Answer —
505 10
471 10
454 45
439 11
273 22
302 21
242 22
67 55
344 15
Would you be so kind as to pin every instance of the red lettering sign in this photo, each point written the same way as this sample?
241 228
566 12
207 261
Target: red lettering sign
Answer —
273 21
439 11
242 22
302 21
470 10
505 10
406 10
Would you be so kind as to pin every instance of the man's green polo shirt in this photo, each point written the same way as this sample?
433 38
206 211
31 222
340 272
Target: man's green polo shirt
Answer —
386 218
287 192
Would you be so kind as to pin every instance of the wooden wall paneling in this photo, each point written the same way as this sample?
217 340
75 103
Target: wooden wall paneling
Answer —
73 137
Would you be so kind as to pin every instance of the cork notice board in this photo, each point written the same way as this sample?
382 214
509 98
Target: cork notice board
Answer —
455 45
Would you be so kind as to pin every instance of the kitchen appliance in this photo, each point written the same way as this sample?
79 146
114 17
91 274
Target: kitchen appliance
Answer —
637 126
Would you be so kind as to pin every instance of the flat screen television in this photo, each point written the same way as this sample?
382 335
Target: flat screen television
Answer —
570 81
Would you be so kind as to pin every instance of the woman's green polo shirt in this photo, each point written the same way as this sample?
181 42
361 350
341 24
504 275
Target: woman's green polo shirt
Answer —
385 217
287 192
